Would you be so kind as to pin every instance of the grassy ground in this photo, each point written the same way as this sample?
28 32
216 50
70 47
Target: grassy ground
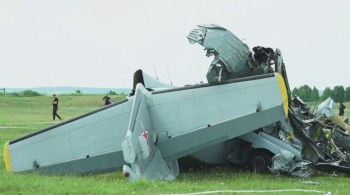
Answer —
20 116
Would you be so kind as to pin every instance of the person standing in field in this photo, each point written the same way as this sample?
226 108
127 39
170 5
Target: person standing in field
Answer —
107 100
341 109
55 107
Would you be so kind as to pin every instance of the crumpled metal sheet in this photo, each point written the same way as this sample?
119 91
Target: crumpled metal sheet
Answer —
341 139
284 163
281 162
325 112
331 167
229 49
309 149
302 169
232 57
325 108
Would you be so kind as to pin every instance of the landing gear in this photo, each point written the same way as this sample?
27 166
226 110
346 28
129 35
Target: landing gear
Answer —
259 161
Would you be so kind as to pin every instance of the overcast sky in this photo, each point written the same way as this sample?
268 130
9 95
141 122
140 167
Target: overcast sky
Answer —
102 43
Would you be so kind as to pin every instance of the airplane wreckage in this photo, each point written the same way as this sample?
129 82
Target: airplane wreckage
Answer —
245 114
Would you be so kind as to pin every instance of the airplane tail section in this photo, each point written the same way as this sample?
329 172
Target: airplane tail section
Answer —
140 144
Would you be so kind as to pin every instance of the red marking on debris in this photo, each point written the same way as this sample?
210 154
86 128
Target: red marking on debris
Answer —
145 134
126 174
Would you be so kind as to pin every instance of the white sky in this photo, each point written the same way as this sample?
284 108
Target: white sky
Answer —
102 43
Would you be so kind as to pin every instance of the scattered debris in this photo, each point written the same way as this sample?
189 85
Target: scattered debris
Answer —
311 182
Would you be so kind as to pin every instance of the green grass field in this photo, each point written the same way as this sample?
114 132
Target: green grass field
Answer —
22 115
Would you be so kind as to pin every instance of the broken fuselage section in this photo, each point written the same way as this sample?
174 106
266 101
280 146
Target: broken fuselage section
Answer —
233 58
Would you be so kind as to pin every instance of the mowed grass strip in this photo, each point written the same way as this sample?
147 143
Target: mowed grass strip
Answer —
32 110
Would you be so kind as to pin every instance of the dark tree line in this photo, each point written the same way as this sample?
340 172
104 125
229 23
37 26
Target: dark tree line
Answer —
338 93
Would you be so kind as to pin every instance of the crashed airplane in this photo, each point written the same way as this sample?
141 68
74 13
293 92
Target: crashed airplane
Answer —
245 114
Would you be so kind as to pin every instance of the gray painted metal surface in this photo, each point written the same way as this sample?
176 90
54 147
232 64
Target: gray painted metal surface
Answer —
219 115
183 121
265 141
86 140
228 50
237 152
232 57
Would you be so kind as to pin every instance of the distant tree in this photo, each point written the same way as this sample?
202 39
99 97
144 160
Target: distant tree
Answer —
338 94
295 92
347 94
78 91
14 94
112 93
29 93
328 92
314 96
304 92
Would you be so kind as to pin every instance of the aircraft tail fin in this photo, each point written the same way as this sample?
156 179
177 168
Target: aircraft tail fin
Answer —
140 144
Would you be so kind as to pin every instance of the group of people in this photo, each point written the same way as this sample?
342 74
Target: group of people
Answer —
107 100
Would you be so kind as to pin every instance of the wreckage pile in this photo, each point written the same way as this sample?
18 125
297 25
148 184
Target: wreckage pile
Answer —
323 138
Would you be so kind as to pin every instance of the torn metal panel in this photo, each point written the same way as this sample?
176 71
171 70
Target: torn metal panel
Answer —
302 169
285 163
309 149
301 109
275 145
232 57
341 138
331 167
325 108
281 162
228 49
